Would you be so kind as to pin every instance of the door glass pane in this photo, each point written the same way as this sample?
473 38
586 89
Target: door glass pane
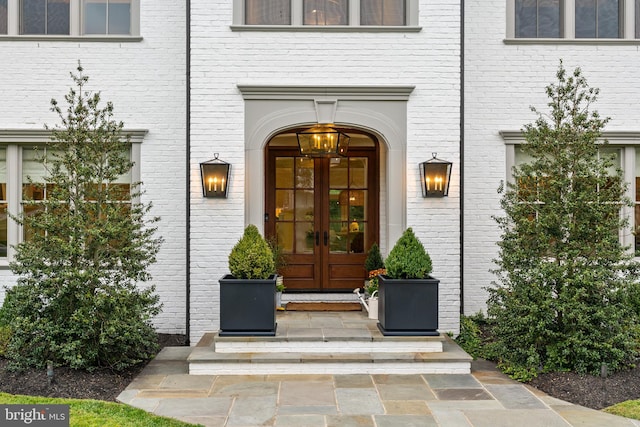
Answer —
3 17
305 237
267 12
325 12
304 205
284 236
284 172
335 213
358 172
284 205
357 205
339 173
356 238
304 172
382 12
338 237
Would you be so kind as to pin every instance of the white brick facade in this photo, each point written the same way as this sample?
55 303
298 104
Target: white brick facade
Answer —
222 59
502 79
145 80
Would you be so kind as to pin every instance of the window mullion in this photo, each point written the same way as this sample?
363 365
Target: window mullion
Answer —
354 13
296 12
569 19
13 17
628 19
74 18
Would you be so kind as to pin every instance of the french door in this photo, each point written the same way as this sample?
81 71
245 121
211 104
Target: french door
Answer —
323 213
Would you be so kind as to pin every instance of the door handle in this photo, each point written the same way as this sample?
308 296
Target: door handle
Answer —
317 238
326 238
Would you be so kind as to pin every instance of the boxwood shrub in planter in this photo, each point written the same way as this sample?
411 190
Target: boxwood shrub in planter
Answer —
407 294
248 294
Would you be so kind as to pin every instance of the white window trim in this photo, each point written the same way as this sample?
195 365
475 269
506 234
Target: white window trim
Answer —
568 26
75 26
14 140
353 25
627 141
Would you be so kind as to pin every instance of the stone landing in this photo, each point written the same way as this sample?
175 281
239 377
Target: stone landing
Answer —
336 343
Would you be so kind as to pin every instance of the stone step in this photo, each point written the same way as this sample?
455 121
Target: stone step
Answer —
204 360
326 341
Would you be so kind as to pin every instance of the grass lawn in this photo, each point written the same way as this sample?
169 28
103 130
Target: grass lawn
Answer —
629 409
96 413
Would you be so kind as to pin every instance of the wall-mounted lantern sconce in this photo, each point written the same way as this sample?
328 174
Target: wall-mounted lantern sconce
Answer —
435 175
215 177
322 141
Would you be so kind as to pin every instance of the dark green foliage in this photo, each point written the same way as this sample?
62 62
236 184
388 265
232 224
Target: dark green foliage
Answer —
78 301
408 259
563 301
374 259
251 257
470 338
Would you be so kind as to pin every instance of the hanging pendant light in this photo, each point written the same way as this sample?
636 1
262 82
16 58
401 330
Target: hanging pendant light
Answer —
323 141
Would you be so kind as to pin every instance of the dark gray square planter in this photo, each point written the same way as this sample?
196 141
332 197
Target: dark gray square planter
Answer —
408 307
247 307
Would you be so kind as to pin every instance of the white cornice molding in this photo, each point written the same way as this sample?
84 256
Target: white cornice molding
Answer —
378 92
41 136
516 137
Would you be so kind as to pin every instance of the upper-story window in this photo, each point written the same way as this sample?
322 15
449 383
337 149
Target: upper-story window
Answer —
598 18
69 17
325 12
537 18
320 13
268 12
383 12
573 19
106 16
44 17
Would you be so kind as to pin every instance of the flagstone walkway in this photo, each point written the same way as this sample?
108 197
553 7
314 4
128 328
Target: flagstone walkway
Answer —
485 398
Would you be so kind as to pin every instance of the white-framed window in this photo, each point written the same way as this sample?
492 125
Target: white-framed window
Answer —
625 149
573 19
21 154
310 14
106 17
70 18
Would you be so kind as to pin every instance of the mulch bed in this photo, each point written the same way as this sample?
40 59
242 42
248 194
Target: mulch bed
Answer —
100 384
592 392
585 390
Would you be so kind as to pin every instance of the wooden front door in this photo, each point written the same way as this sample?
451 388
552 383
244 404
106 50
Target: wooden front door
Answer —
324 214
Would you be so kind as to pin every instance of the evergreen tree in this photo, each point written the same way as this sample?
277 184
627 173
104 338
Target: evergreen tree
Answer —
563 301
88 246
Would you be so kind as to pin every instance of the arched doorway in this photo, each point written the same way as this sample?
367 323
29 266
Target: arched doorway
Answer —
323 212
